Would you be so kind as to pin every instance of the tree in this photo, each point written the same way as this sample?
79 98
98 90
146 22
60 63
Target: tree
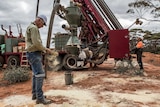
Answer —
143 8
151 40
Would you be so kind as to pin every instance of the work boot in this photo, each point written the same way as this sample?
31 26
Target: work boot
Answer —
44 101
145 74
142 73
34 97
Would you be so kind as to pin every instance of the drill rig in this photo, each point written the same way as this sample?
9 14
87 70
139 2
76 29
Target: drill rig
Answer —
93 34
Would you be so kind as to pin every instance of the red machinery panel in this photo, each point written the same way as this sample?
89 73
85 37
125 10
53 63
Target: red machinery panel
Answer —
118 43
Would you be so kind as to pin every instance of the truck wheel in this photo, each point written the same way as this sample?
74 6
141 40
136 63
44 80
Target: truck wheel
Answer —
13 61
70 61
1 61
101 56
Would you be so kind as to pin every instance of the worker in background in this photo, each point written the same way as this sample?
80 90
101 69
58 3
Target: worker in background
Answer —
34 50
138 51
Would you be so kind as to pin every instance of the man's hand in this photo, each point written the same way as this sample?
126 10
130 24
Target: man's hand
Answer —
49 51
134 50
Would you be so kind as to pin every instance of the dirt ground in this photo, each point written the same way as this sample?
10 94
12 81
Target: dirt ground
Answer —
97 87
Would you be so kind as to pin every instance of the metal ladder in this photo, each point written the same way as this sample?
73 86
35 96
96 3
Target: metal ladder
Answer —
24 61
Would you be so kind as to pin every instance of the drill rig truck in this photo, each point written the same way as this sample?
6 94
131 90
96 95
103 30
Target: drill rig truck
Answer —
11 48
93 34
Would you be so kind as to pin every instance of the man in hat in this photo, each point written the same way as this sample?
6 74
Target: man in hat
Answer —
34 48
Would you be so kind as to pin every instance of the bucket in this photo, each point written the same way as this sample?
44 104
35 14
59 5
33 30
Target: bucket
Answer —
68 78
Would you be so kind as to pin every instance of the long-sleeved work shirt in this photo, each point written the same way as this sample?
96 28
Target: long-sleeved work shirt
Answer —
33 39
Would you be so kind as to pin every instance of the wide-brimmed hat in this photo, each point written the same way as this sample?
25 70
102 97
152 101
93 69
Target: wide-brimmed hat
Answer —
44 18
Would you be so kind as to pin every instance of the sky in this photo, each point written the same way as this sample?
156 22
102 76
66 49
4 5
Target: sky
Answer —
23 12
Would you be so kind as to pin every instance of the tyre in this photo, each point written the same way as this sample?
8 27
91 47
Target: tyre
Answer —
13 61
70 61
1 61
99 59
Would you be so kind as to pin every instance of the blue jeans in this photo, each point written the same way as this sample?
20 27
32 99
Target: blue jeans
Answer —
35 60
